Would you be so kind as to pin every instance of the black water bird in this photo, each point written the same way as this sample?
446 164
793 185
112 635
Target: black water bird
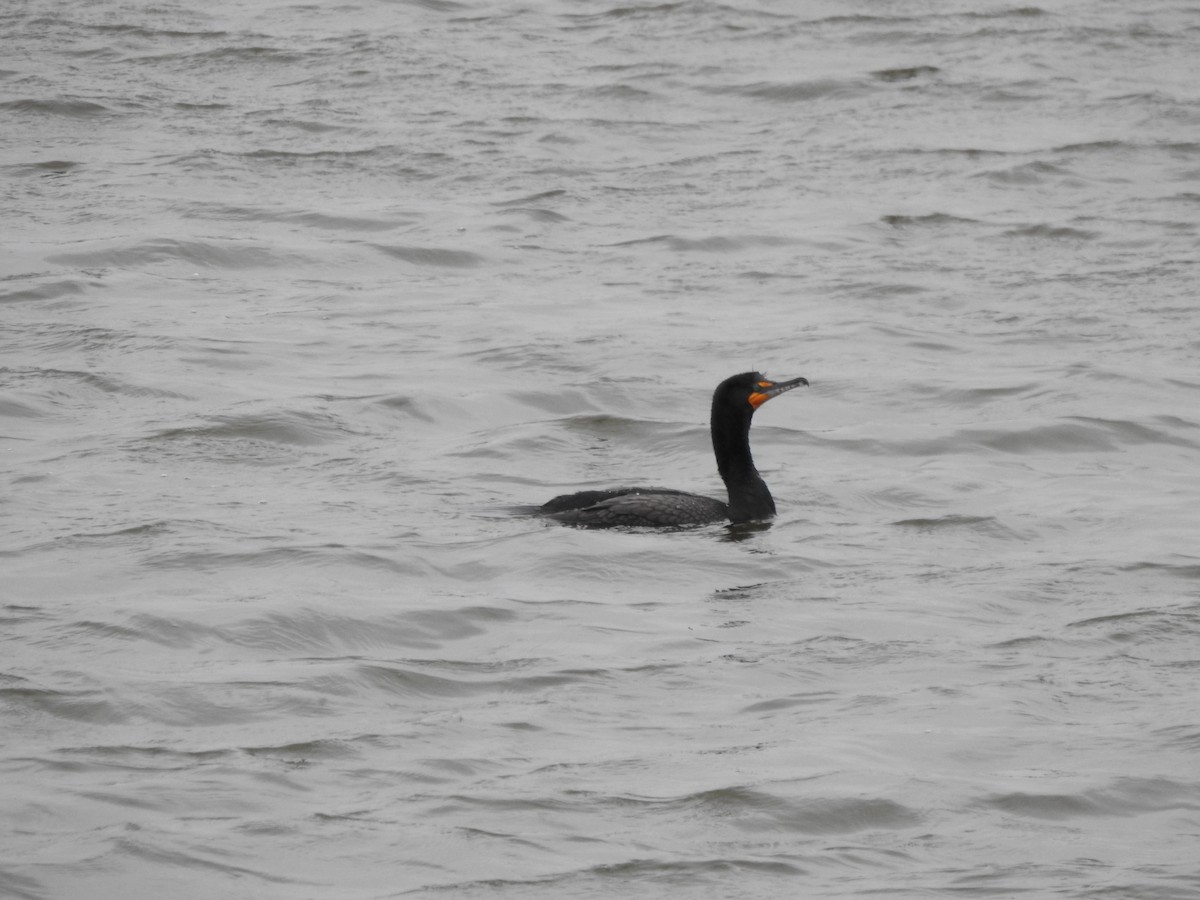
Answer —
733 406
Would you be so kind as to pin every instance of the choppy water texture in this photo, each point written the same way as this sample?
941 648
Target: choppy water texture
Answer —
299 300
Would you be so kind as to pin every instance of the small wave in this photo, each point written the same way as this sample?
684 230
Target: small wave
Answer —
1130 433
389 160
630 878
295 428
713 244
624 93
318 220
1124 797
533 199
755 810
306 125
402 403
905 74
792 92
676 15
1185 570
898 498
312 631
317 557
75 109
700 871
537 215
929 220
1091 147
433 256
760 275
1185 737
442 6
140 757
410 681
882 290
56 381
983 524
959 397
1045 232
329 222
49 290
1037 172
16 409
22 887
1144 626
91 706
271 438
227 55
152 853
44 169
968 152
208 254
137 533
634 10
148 32
1080 435
816 698
1062 437
302 752
1073 435
298 156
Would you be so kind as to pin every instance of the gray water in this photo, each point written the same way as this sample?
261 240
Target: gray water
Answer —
300 301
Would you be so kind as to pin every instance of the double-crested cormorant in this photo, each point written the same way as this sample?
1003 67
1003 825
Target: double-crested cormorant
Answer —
733 406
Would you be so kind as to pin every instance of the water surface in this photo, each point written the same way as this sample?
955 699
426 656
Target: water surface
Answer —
298 302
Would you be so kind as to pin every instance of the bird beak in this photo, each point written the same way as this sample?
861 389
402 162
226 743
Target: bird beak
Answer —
768 389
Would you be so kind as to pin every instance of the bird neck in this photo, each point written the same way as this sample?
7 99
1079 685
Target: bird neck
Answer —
749 498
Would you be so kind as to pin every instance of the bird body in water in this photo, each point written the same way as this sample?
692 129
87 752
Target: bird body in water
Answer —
733 406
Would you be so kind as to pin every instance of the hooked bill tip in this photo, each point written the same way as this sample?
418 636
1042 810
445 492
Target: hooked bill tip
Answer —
774 389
